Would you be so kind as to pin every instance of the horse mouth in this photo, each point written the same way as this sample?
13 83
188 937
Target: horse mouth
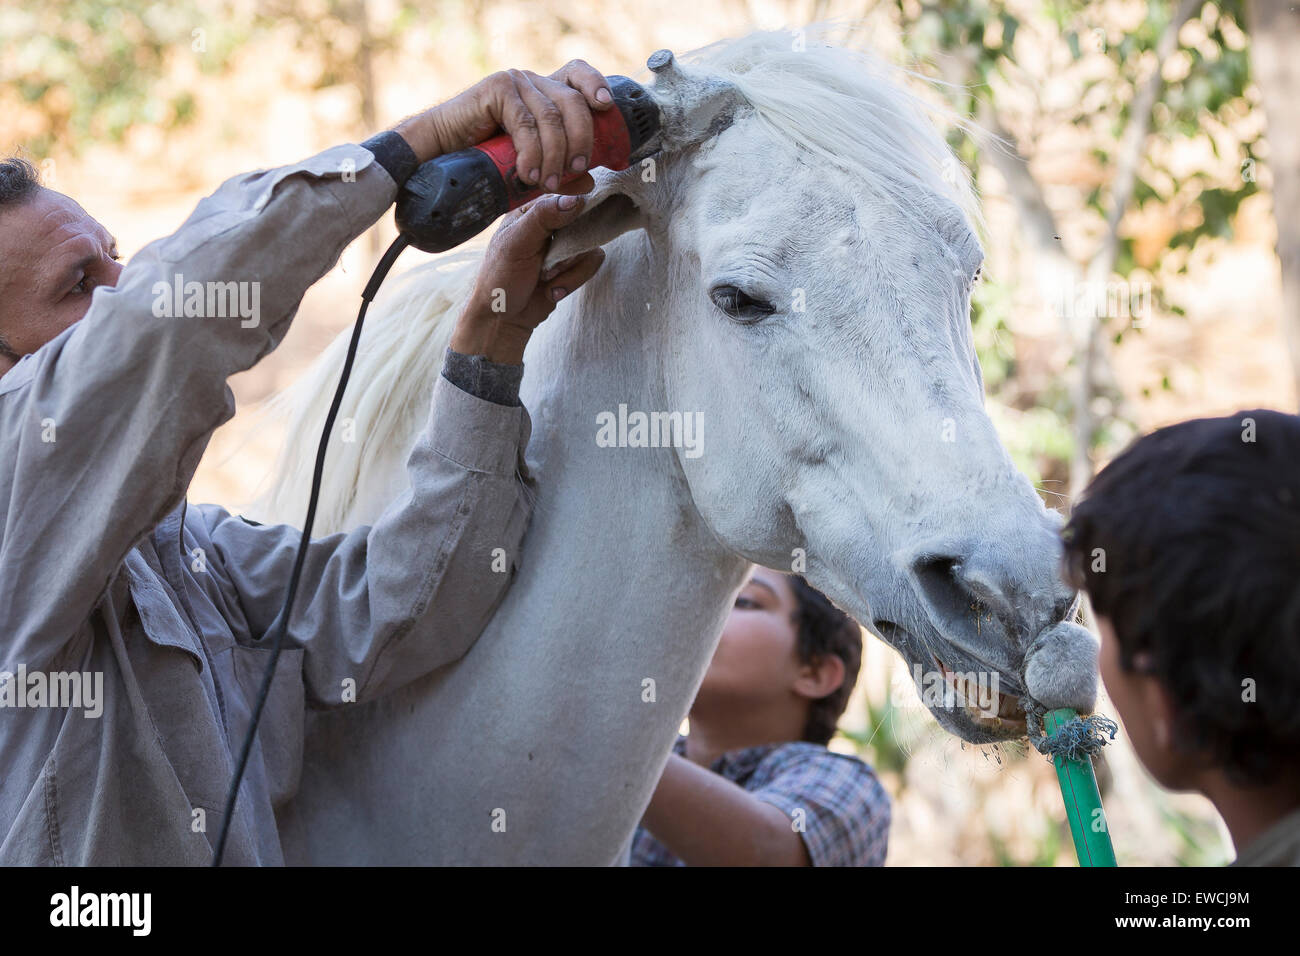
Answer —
999 714
975 713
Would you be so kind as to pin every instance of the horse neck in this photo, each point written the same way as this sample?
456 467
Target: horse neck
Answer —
600 352
621 580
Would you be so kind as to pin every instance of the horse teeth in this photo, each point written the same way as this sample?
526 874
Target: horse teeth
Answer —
1007 712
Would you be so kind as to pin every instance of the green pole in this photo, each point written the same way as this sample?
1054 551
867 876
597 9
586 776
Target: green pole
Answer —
1088 824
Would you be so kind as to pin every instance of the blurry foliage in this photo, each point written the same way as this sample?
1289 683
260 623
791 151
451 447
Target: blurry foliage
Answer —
990 311
976 44
339 31
882 745
92 69
1198 841
972 47
1046 851
1036 433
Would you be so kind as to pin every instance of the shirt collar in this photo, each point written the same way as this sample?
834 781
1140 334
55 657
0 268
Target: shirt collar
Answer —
734 765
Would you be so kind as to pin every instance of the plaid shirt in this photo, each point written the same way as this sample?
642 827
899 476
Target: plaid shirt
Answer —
841 805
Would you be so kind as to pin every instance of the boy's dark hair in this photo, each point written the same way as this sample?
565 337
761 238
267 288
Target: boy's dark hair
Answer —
825 629
1189 543
18 180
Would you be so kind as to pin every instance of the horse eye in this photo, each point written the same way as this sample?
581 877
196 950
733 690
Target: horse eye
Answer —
739 305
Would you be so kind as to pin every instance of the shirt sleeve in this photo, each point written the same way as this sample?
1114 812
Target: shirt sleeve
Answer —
383 605
486 379
395 154
836 803
104 426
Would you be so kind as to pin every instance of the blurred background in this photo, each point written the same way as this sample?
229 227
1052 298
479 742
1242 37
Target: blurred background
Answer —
1138 162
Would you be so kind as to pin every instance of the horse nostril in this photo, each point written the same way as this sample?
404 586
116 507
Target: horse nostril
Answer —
937 576
956 591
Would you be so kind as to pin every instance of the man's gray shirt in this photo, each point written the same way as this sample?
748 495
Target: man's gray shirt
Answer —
104 570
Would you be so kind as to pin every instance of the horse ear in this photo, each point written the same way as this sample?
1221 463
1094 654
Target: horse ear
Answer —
611 211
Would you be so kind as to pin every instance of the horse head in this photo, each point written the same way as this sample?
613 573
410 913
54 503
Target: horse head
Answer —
815 252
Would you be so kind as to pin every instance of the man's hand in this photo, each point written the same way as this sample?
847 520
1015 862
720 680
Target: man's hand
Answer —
512 296
548 119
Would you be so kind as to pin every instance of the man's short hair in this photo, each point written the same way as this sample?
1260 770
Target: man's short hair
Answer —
18 180
1189 543
823 630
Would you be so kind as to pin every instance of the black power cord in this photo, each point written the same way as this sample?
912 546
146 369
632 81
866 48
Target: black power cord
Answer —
281 624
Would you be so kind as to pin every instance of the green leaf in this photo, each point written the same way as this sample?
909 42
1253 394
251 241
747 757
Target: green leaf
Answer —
1009 26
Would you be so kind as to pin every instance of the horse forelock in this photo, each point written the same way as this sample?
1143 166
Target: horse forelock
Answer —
853 110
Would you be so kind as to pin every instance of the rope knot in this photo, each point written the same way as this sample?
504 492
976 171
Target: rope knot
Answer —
1074 740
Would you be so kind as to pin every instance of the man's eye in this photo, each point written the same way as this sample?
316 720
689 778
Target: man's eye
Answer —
739 305
745 602
80 288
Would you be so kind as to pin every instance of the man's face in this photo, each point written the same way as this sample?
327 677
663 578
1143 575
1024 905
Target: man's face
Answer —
52 257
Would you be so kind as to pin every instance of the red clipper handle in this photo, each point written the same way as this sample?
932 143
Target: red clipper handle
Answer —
611 147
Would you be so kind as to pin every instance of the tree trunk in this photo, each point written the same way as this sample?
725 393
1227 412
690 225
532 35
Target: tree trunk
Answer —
1275 62
359 13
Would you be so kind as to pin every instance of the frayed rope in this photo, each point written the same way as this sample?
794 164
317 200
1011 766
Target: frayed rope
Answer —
1073 740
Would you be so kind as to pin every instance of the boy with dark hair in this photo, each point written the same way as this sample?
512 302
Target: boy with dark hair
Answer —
1188 545
754 784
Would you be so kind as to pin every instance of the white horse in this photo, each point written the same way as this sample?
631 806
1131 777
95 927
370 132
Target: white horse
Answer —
801 280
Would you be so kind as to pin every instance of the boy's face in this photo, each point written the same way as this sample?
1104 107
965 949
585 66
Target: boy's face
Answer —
757 661
1147 712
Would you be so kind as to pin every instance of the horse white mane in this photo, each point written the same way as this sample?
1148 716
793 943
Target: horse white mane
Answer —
402 346
849 107
846 106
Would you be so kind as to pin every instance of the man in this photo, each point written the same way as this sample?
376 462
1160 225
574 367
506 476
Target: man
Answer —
1188 545
754 784
107 400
